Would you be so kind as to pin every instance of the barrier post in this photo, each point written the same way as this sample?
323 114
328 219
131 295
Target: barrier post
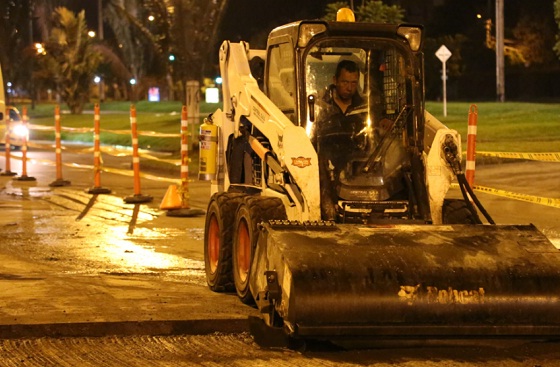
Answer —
176 200
471 144
8 171
184 191
137 198
58 151
24 176
97 189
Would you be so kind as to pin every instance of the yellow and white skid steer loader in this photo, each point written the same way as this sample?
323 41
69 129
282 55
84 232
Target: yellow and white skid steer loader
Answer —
342 228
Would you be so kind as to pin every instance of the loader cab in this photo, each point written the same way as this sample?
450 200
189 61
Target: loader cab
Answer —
364 151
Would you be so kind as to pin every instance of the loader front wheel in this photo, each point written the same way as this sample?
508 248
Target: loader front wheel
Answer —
456 211
250 213
218 232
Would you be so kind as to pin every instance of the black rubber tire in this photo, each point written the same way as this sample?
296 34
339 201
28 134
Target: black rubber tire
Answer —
253 210
218 232
456 211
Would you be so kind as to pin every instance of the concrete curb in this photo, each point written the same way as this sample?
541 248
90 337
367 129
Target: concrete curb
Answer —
125 328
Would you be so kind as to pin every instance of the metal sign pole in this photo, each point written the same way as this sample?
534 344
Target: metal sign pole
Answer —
444 77
443 54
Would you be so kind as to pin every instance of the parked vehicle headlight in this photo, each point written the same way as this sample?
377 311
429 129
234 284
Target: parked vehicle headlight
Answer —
20 131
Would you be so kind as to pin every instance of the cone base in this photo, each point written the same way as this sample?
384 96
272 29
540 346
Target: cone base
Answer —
59 183
25 178
98 190
138 199
185 212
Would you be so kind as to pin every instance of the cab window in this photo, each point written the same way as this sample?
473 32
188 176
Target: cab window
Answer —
281 84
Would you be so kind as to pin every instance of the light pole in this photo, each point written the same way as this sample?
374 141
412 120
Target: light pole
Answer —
500 72
100 34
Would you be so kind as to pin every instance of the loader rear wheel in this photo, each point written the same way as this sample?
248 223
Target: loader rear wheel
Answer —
456 211
251 212
218 231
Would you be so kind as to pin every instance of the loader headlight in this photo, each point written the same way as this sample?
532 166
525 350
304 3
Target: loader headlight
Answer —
20 131
307 31
413 35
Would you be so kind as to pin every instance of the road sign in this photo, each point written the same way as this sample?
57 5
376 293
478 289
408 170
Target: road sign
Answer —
443 53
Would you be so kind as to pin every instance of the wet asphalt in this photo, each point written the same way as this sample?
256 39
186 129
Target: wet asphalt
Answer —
76 264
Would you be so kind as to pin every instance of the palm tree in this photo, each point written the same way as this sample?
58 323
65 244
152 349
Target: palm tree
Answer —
70 58
141 29
150 31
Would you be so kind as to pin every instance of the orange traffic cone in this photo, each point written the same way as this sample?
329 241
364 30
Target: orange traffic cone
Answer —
171 200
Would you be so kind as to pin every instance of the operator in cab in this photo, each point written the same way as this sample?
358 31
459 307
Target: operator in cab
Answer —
342 105
341 118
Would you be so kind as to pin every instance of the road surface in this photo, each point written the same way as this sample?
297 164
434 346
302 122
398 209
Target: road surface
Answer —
93 282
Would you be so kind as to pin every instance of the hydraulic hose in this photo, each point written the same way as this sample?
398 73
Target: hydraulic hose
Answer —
452 157
465 187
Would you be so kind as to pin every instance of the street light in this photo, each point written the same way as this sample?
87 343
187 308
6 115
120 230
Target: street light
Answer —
91 34
40 49
132 82
97 79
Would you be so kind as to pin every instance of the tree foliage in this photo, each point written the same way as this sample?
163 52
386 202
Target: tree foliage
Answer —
373 11
534 36
183 29
15 42
194 29
70 59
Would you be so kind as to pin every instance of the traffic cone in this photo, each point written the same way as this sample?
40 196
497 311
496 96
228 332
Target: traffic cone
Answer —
171 199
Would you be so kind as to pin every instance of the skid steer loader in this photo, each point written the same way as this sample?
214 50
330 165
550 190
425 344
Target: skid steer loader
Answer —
346 231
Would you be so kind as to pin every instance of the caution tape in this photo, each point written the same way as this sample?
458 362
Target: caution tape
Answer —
544 157
122 172
77 129
553 202
39 127
113 151
144 133
90 130
130 173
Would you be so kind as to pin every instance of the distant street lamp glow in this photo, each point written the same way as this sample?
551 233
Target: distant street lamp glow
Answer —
219 80
97 79
171 57
9 84
479 16
91 34
132 81
40 49
151 18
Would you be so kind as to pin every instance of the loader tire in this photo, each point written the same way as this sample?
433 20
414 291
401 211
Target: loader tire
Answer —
456 211
253 210
218 232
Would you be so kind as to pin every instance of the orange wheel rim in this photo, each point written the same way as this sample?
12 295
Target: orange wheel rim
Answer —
213 243
243 250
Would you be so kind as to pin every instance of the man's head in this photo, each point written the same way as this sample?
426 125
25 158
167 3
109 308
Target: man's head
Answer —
346 79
